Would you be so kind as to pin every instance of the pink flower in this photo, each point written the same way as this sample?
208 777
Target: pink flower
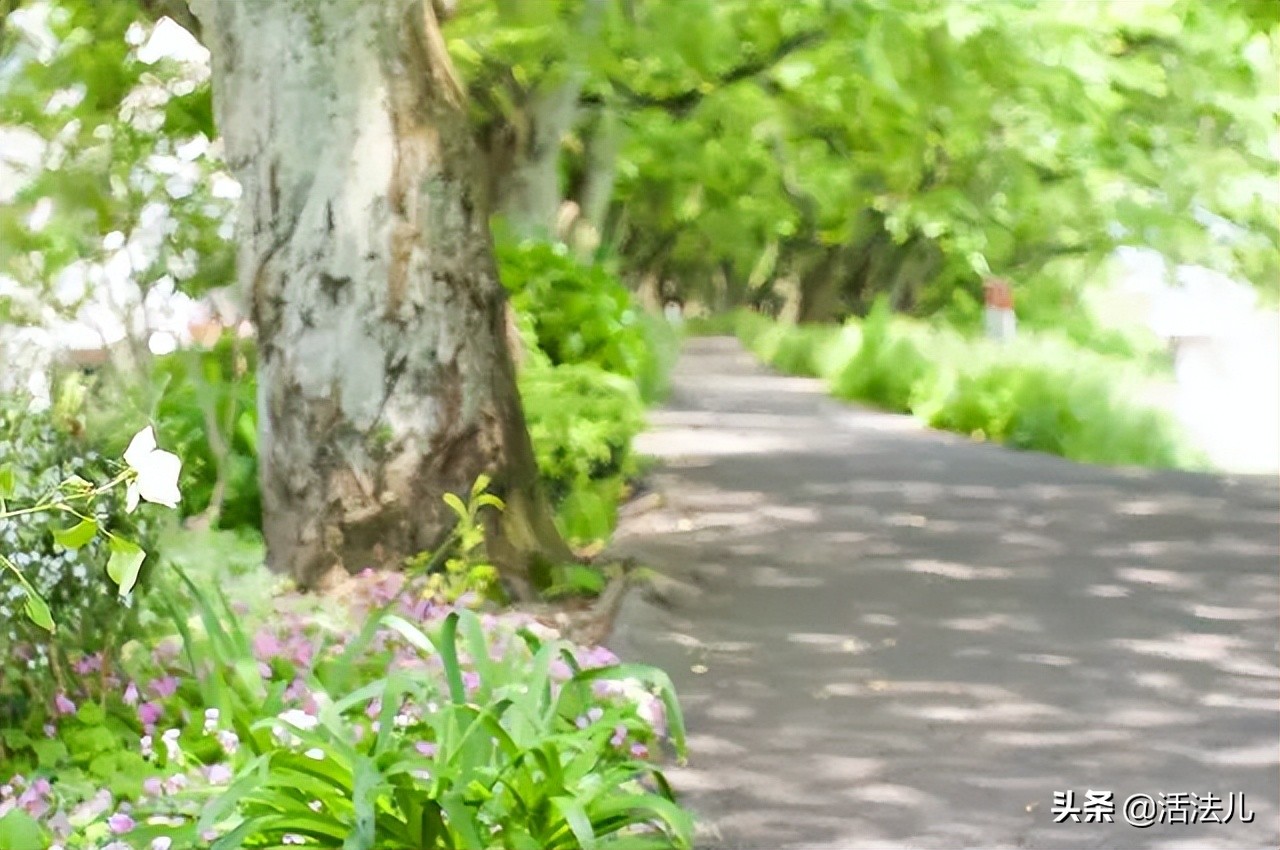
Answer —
50 731
131 694
88 664
426 748
219 774
640 751
34 800
63 705
152 786
150 713
266 645
619 735
229 741
120 823
165 687
597 656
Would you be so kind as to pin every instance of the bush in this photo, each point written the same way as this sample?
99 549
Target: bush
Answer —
593 359
582 421
663 341
1041 392
579 313
38 450
892 366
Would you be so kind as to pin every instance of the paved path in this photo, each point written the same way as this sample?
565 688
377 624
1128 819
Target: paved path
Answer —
901 638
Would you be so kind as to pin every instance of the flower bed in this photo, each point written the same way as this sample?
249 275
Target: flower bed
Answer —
391 720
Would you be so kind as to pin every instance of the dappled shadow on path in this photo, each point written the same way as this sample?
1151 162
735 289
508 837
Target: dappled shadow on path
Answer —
901 638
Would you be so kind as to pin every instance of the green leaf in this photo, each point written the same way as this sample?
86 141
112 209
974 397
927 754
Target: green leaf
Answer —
126 559
90 713
38 610
365 798
8 482
77 535
452 500
14 738
49 753
577 819
20 831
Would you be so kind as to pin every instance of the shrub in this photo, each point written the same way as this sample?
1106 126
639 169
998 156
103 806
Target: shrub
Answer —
579 313
663 341
891 367
38 450
582 421
1041 392
592 361
839 349
799 350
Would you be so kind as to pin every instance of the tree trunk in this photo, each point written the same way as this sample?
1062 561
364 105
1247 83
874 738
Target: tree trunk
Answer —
385 379
529 197
600 164
819 288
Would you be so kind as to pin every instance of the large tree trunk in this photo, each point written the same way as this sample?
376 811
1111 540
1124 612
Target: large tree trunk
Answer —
384 378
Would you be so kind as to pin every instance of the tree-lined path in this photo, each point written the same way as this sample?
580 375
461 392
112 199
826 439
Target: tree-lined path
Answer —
892 637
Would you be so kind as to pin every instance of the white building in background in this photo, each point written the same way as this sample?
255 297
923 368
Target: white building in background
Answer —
1226 357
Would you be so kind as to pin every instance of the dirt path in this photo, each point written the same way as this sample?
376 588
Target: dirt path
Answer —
900 638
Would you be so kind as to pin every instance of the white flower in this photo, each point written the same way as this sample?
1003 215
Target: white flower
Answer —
299 719
156 471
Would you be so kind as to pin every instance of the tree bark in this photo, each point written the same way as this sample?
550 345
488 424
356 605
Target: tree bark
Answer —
529 196
385 379
600 167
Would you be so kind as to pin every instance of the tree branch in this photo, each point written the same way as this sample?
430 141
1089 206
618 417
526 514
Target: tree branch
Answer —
684 102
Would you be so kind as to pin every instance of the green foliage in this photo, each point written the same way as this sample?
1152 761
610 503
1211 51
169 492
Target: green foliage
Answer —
579 313
892 366
991 137
593 360
120 146
1043 392
384 717
64 559
449 732
1050 396
204 404
662 342
582 421
459 566
506 761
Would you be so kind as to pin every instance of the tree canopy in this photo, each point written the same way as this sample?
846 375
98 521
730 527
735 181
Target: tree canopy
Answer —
733 151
